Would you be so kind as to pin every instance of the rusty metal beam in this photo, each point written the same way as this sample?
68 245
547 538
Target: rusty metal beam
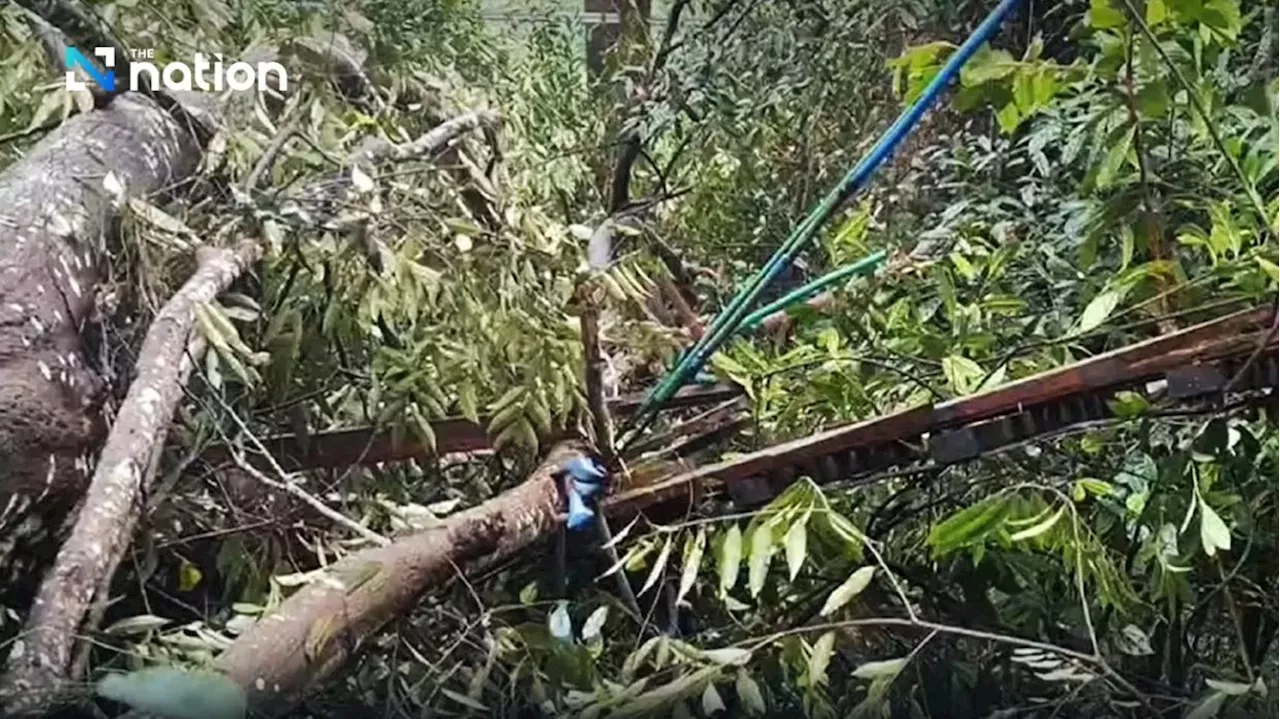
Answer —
967 426
369 445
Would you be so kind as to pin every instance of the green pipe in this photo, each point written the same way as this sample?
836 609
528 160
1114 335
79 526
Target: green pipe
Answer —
864 266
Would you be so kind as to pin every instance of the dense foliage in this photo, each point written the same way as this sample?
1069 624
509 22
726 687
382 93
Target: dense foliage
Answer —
1105 170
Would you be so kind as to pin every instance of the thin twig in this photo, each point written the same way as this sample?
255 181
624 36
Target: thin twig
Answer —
268 158
291 487
1234 613
754 644
286 484
1263 341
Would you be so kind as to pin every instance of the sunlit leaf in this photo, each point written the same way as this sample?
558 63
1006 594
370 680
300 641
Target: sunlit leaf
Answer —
883 668
848 589
730 558
795 543
1214 534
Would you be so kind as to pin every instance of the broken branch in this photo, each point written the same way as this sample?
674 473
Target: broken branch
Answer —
119 484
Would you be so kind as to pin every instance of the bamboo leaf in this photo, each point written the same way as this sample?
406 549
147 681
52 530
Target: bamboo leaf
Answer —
1208 707
762 548
884 668
1037 529
731 656
711 701
749 693
820 658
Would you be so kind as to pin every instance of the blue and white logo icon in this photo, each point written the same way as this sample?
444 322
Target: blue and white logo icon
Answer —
73 58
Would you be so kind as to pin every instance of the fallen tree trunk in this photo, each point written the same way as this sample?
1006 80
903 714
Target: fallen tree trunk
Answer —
102 532
286 654
56 205
128 462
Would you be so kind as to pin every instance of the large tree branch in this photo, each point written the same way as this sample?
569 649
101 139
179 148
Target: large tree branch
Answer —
319 628
120 482
56 205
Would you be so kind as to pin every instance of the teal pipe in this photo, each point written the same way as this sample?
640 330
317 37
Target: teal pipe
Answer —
864 266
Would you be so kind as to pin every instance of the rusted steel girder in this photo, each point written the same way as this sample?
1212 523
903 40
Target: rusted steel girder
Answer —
369 445
1182 365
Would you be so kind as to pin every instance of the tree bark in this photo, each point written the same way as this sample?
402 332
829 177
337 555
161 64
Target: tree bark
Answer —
315 631
120 482
54 213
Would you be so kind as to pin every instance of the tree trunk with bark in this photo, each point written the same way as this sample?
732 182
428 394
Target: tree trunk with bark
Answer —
104 528
56 207
312 635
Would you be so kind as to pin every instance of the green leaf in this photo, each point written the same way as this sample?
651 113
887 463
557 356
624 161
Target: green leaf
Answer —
946 288
658 566
140 624
730 558
1113 160
1127 404
796 543
464 700
1009 118
1103 15
1134 642
883 668
1156 12
969 526
729 656
987 65
665 695
848 589
1272 270
595 623
1095 487
1214 534
820 658
692 562
1208 707
1233 689
749 694
1153 99
1098 310
711 701
761 553
1038 529
962 373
